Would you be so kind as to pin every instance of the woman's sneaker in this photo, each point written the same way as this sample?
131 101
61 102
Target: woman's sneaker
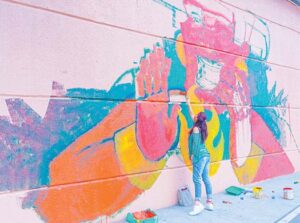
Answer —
209 205
196 210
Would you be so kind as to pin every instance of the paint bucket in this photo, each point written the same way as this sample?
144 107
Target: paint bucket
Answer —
288 193
147 216
257 192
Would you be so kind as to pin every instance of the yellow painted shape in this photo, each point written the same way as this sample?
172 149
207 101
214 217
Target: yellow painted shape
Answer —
133 161
241 64
247 172
180 50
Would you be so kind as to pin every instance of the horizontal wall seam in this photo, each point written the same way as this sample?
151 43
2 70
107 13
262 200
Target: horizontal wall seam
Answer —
49 97
264 18
80 183
139 32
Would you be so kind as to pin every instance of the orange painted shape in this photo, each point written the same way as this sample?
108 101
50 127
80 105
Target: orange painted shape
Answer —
86 201
121 116
79 203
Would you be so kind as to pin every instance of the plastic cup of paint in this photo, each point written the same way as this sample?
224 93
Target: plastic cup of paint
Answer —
257 192
288 193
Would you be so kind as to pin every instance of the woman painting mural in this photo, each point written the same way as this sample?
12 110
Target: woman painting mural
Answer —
200 157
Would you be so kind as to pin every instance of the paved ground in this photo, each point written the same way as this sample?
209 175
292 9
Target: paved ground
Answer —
248 210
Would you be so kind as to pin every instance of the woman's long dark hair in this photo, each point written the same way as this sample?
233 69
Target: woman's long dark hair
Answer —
200 123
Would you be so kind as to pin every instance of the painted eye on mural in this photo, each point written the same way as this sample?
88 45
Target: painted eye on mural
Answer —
208 74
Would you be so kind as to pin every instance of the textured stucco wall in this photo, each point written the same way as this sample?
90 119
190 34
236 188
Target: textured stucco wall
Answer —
93 117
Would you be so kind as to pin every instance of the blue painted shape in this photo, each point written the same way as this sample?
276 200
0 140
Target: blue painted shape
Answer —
177 76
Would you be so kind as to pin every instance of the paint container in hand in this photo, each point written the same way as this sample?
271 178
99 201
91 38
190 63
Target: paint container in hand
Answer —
288 193
257 192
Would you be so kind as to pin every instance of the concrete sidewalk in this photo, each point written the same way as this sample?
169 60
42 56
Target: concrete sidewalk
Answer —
248 210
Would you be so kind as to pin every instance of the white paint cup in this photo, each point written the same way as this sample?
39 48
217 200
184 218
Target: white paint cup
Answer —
288 193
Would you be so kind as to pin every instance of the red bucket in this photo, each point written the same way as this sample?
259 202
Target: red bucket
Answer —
142 215
147 216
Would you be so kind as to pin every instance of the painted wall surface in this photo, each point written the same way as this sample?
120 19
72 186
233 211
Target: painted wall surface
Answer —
92 118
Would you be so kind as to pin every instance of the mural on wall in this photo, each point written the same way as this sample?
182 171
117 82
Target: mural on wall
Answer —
102 145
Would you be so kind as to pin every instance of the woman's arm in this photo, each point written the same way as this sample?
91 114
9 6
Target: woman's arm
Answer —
190 108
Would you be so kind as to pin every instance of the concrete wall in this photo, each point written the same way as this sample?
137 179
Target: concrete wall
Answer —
94 118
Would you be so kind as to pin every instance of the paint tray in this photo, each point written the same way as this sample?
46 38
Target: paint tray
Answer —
146 216
236 191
